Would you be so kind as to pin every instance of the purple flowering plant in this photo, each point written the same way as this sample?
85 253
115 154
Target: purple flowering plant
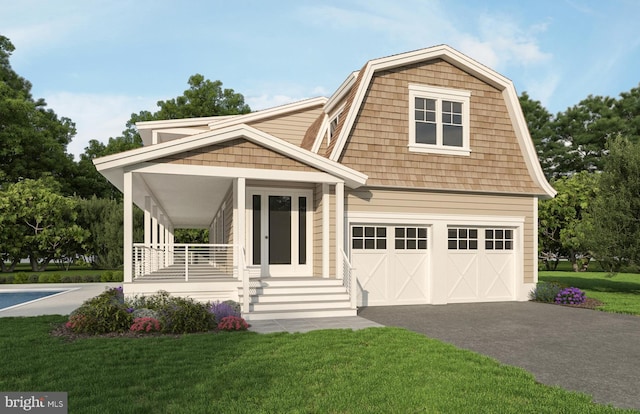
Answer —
223 309
570 296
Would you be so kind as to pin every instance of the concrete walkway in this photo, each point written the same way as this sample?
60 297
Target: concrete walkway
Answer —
60 304
311 324
583 350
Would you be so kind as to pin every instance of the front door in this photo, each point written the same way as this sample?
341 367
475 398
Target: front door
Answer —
279 228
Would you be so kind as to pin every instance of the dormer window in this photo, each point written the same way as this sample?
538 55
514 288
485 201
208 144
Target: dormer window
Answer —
332 126
439 120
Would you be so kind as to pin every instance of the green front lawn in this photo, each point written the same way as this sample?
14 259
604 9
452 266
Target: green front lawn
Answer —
378 370
619 293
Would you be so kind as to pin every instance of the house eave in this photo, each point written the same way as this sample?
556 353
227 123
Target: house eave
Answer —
106 165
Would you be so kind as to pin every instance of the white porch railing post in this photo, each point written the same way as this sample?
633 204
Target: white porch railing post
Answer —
186 263
246 294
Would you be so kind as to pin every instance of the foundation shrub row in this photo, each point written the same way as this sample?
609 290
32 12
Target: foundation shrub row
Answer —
111 312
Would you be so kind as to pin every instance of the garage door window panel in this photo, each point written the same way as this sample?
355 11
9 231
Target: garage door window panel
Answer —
460 238
411 238
368 238
498 239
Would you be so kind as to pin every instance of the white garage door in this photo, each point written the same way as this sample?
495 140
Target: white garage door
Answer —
391 264
480 264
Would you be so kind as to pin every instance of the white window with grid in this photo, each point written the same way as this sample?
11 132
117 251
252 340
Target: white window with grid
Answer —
439 120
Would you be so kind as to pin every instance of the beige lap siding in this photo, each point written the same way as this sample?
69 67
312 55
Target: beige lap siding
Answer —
317 231
377 200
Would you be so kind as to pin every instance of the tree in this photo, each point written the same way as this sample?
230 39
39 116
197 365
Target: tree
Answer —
540 124
563 220
42 223
104 219
192 236
203 98
585 130
33 140
614 230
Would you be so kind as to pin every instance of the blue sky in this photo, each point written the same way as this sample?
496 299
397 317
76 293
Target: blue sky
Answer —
97 62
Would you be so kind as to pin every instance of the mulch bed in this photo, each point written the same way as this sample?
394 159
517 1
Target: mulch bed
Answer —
62 331
589 303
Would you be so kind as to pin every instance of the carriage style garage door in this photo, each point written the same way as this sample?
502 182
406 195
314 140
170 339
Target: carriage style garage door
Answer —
480 264
391 263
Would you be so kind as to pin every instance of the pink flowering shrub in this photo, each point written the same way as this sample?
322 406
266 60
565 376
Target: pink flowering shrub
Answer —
79 323
145 325
233 323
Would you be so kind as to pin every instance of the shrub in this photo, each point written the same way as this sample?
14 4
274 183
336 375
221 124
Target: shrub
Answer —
43 278
233 323
545 292
104 313
79 323
144 313
106 276
34 278
570 296
155 302
117 276
55 278
21 278
223 309
145 325
185 315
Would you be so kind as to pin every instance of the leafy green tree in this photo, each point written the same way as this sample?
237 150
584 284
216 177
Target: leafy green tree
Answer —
614 231
540 124
584 130
33 140
104 219
203 98
191 236
563 220
42 223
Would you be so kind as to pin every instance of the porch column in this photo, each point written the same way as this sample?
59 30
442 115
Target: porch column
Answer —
147 221
171 241
154 227
326 247
128 227
339 228
239 221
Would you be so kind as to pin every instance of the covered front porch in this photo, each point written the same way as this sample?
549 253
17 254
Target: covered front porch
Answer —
262 233
274 211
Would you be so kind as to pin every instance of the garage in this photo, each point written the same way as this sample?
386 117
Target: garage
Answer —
481 264
434 262
392 264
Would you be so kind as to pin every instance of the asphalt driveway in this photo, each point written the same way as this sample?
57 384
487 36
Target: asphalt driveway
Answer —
583 350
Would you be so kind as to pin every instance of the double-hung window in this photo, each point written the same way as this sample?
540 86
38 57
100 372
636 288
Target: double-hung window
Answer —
439 120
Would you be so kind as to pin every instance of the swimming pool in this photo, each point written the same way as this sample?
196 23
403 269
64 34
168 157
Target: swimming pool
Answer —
12 298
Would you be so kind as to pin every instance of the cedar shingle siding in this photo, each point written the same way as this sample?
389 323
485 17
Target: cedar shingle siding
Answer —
381 131
237 153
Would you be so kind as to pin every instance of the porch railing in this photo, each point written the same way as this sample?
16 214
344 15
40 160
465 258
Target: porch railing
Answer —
195 261
349 280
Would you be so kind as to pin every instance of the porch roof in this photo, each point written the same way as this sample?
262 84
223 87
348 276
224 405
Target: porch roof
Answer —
188 195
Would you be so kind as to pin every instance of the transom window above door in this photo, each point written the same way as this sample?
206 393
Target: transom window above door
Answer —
439 120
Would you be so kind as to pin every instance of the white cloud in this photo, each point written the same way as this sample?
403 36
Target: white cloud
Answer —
96 116
265 101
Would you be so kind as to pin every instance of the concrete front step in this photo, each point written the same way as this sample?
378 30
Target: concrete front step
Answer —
294 281
299 314
288 290
306 305
298 297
